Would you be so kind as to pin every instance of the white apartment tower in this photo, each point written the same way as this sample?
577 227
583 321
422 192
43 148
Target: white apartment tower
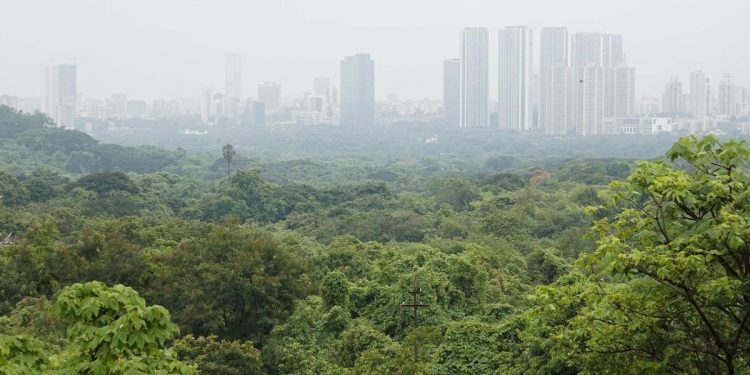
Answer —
612 59
59 94
554 77
474 96
588 84
622 83
698 103
727 103
515 78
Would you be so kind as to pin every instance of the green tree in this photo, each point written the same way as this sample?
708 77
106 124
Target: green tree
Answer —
669 290
335 290
110 330
219 357
228 153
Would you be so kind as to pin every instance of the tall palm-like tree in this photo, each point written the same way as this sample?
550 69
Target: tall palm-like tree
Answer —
228 152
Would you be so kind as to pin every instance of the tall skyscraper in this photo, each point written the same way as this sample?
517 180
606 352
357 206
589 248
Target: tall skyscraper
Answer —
452 91
59 94
358 91
699 101
613 54
554 76
269 94
727 103
233 82
587 49
515 76
612 58
588 84
622 82
474 98
589 98
673 100
207 110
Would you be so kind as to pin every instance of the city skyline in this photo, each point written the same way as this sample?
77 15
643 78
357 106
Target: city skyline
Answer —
183 59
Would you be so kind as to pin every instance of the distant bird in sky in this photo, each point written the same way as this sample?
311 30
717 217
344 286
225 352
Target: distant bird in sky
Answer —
581 81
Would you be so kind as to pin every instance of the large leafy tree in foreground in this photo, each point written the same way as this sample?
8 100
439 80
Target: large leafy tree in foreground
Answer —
669 285
668 288
110 330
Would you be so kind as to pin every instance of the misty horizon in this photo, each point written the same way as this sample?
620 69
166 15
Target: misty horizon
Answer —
176 49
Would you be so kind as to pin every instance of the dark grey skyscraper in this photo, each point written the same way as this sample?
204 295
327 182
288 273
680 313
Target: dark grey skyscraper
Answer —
452 91
358 91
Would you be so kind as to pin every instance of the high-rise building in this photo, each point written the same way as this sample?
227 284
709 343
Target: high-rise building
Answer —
514 78
588 84
474 97
207 113
673 99
59 94
613 54
232 82
698 103
452 91
612 59
269 94
554 76
589 99
587 49
727 103
554 109
357 91
623 91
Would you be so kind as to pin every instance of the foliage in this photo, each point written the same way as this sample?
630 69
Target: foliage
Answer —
109 331
301 260
219 357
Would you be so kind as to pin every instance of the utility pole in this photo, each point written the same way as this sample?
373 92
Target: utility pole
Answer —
414 306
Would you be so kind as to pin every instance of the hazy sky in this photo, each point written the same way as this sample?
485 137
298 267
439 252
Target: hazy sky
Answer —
153 49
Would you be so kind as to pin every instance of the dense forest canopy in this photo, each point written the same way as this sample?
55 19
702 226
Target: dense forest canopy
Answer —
530 257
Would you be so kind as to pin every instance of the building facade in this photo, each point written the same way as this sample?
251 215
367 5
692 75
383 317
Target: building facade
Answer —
59 94
474 95
515 78
452 91
554 81
233 83
269 94
357 91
